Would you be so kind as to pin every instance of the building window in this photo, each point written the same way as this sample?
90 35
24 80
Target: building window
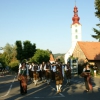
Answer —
76 37
76 30
75 25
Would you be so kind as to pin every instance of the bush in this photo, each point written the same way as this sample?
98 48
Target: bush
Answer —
14 65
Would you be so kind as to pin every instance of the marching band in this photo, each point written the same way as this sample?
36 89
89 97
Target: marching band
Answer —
46 72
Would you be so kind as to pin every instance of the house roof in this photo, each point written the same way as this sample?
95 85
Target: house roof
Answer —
51 57
91 50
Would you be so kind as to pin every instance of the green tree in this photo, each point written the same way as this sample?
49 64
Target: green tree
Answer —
97 14
19 50
62 59
9 53
28 49
41 56
14 65
25 50
2 59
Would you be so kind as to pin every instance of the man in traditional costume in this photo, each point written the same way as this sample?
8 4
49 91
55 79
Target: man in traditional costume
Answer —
47 69
35 70
42 71
68 73
58 78
53 70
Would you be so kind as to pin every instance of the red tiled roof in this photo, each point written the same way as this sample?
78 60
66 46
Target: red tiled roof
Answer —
51 57
91 50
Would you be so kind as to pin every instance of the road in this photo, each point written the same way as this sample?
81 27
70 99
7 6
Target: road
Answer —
9 90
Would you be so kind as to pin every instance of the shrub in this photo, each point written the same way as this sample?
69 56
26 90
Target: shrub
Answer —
14 65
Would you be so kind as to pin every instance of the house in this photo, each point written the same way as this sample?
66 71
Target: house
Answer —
88 52
51 58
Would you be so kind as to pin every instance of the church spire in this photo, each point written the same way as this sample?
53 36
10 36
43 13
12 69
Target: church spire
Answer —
75 18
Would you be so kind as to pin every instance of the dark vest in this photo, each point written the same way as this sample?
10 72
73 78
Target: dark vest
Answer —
48 67
35 68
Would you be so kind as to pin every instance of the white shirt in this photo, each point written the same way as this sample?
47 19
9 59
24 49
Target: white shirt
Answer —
53 68
63 69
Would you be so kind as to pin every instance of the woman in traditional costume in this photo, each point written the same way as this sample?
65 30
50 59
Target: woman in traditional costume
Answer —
23 73
87 77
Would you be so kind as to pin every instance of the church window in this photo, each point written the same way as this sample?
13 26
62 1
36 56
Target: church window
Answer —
76 37
75 25
76 30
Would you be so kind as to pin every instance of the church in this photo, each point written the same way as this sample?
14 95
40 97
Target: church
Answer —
85 51
75 32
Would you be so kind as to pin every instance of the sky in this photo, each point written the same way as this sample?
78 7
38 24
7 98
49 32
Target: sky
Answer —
47 23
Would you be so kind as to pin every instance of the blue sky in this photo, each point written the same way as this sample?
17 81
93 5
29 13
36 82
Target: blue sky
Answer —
45 22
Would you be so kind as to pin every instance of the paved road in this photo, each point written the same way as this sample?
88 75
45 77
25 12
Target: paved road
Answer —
9 90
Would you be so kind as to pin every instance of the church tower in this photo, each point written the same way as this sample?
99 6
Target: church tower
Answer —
75 28
75 32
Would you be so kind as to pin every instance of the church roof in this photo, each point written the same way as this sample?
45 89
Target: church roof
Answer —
75 18
51 57
90 49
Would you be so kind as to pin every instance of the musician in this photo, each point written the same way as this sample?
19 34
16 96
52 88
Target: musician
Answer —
53 70
35 70
63 70
47 69
29 65
23 72
68 73
58 78
42 71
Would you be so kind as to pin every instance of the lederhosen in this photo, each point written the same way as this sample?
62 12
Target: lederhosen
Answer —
35 73
48 72
58 76
31 72
68 72
43 71
23 81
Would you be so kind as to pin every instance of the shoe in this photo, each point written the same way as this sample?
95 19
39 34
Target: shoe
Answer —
60 90
42 81
57 92
35 84
87 90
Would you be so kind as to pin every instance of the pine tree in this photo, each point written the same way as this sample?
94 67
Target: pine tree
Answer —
97 14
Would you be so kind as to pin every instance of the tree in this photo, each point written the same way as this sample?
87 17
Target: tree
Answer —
25 50
97 14
28 49
9 53
41 56
14 65
62 59
2 59
19 50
